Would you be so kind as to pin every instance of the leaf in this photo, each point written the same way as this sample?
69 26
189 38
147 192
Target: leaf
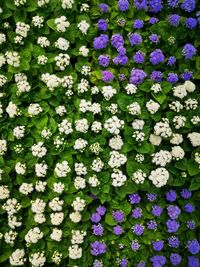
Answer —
51 24
198 63
109 220
195 184
181 164
6 254
193 168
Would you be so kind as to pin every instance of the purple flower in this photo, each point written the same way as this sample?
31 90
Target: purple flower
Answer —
173 3
97 229
154 38
157 57
158 261
95 217
191 224
123 5
155 6
171 195
103 8
118 216
107 76
117 230
121 76
186 75
189 208
101 41
157 210
193 246
173 212
138 229
134 198
123 262
120 60
158 245
121 50
138 57
140 4
135 245
190 23
174 20
141 264
152 225
172 226
137 76
172 78
117 40
188 5
175 259
137 213
198 16
151 197
153 20
186 194
102 25
171 61
101 210
97 263
189 51
97 248
135 39
156 76
193 261
104 60
138 24
173 241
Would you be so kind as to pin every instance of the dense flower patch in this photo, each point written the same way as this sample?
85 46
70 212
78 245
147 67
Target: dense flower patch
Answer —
99 140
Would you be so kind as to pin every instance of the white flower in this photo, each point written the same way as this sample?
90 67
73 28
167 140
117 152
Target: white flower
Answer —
62 169
4 192
33 235
26 188
96 126
12 110
79 183
113 125
159 177
34 109
56 234
75 252
37 259
81 125
58 187
42 60
194 138
62 61
189 86
108 92
138 124
38 205
116 159
83 51
62 44
116 142
93 181
97 165
77 236
75 217
80 169
67 4
118 178
180 91
22 29
3 147
57 218
43 41
152 106
38 150
83 26
41 169
19 132
39 218
65 127
78 204
13 58
155 139
17 257
20 168
163 129
130 89
176 139
162 158
139 176
2 38
134 109
40 186
62 24
156 88
38 21
177 152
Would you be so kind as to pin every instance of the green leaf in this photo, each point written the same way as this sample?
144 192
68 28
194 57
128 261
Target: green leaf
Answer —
198 63
51 24
6 254
195 184
193 168
109 220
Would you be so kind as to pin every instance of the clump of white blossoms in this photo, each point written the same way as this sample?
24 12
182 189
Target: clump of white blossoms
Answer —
134 109
4 192
83 86
84 7
113 125
65 127
86 70
33 235
22 29
62 169
42 60
75 217
159 177
38 21
82 125
26 188
78 204
176 139
62 24
19 2
67 4
156 88
22 83
3 147
139 176
39 150
34 109
43 41
155 139
180 91
83 26
189 86
62 44
75 252
13 58
131 89
116 159
163 129
152 106
80 144
2 38
176 106
51 80
12 110
96 126
37 259
2 62
118 178
177 152
17 257
79 183
56 234
20 168
138 124
97 165
116 142
194 138
162 158
83 51
62 61
41 169
108 92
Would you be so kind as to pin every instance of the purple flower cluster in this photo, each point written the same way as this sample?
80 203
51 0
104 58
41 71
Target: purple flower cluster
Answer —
155 6
138 57
101 42
107 76
138 24
123 5
134 198
173 212
135 245
97 229
96 217
157 210
158 261
117 40
189 51
138 229
137 213
156 76
118 230
137 76
171 195
172 226
193 261
118 216
135 39
154 38
188 5
175 259
174 20
140 4
103 8
173 242
172 78
191 23
102 25
158 245
193 246
98 248
104 60
157 57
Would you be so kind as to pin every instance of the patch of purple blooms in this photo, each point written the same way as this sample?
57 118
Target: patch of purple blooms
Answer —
138 57
193 261
135 39
185 193
154 38
107 76
118 230
156 76
101 42
123 5
137 213
104 60
157 57
135 245
191 23
173 211
158 260
171 61
103 8
155 6
189 208
102 25
134 198
174 20
189 51
138 24
175 259
158 245
97 248
173 242
138 229
140 4
172 78
172 226
97 229
193 246
156 210
137 76
188 5
118 216
117 40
